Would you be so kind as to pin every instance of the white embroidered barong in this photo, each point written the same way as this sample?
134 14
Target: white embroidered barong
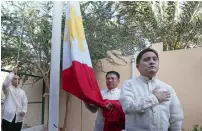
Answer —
144 112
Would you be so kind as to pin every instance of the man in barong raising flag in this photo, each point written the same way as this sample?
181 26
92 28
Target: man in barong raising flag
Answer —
78 76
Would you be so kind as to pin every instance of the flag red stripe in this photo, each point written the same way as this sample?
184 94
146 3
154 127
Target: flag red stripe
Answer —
80 80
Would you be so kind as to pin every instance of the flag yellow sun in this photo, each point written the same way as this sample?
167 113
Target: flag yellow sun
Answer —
75 28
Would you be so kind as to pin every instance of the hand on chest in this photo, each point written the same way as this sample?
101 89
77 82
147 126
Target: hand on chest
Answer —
146 88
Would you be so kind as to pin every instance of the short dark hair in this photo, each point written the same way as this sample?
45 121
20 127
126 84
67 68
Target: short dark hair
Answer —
139 56
113 72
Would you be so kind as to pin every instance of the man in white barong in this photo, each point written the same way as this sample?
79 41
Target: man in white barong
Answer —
150 104
15 103
112 92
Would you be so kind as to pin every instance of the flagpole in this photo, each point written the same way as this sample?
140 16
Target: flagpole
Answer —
55 67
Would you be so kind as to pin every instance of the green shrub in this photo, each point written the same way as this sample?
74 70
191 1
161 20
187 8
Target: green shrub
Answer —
195 128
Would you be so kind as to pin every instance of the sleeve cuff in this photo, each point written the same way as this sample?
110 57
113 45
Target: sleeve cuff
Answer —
154 99
11 74
24 111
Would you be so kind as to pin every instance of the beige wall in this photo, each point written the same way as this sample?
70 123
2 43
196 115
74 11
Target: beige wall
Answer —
34 94
182 69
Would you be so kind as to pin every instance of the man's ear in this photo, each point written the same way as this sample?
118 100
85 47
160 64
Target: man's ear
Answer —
137 66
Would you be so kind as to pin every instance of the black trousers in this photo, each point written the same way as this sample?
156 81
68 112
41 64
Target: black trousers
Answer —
11 126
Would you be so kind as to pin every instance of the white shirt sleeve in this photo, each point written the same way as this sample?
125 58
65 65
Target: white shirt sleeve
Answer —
176 113
7 82
130 103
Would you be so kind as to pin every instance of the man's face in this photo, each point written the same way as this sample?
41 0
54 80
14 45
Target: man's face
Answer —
112 81
15 81
149 64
